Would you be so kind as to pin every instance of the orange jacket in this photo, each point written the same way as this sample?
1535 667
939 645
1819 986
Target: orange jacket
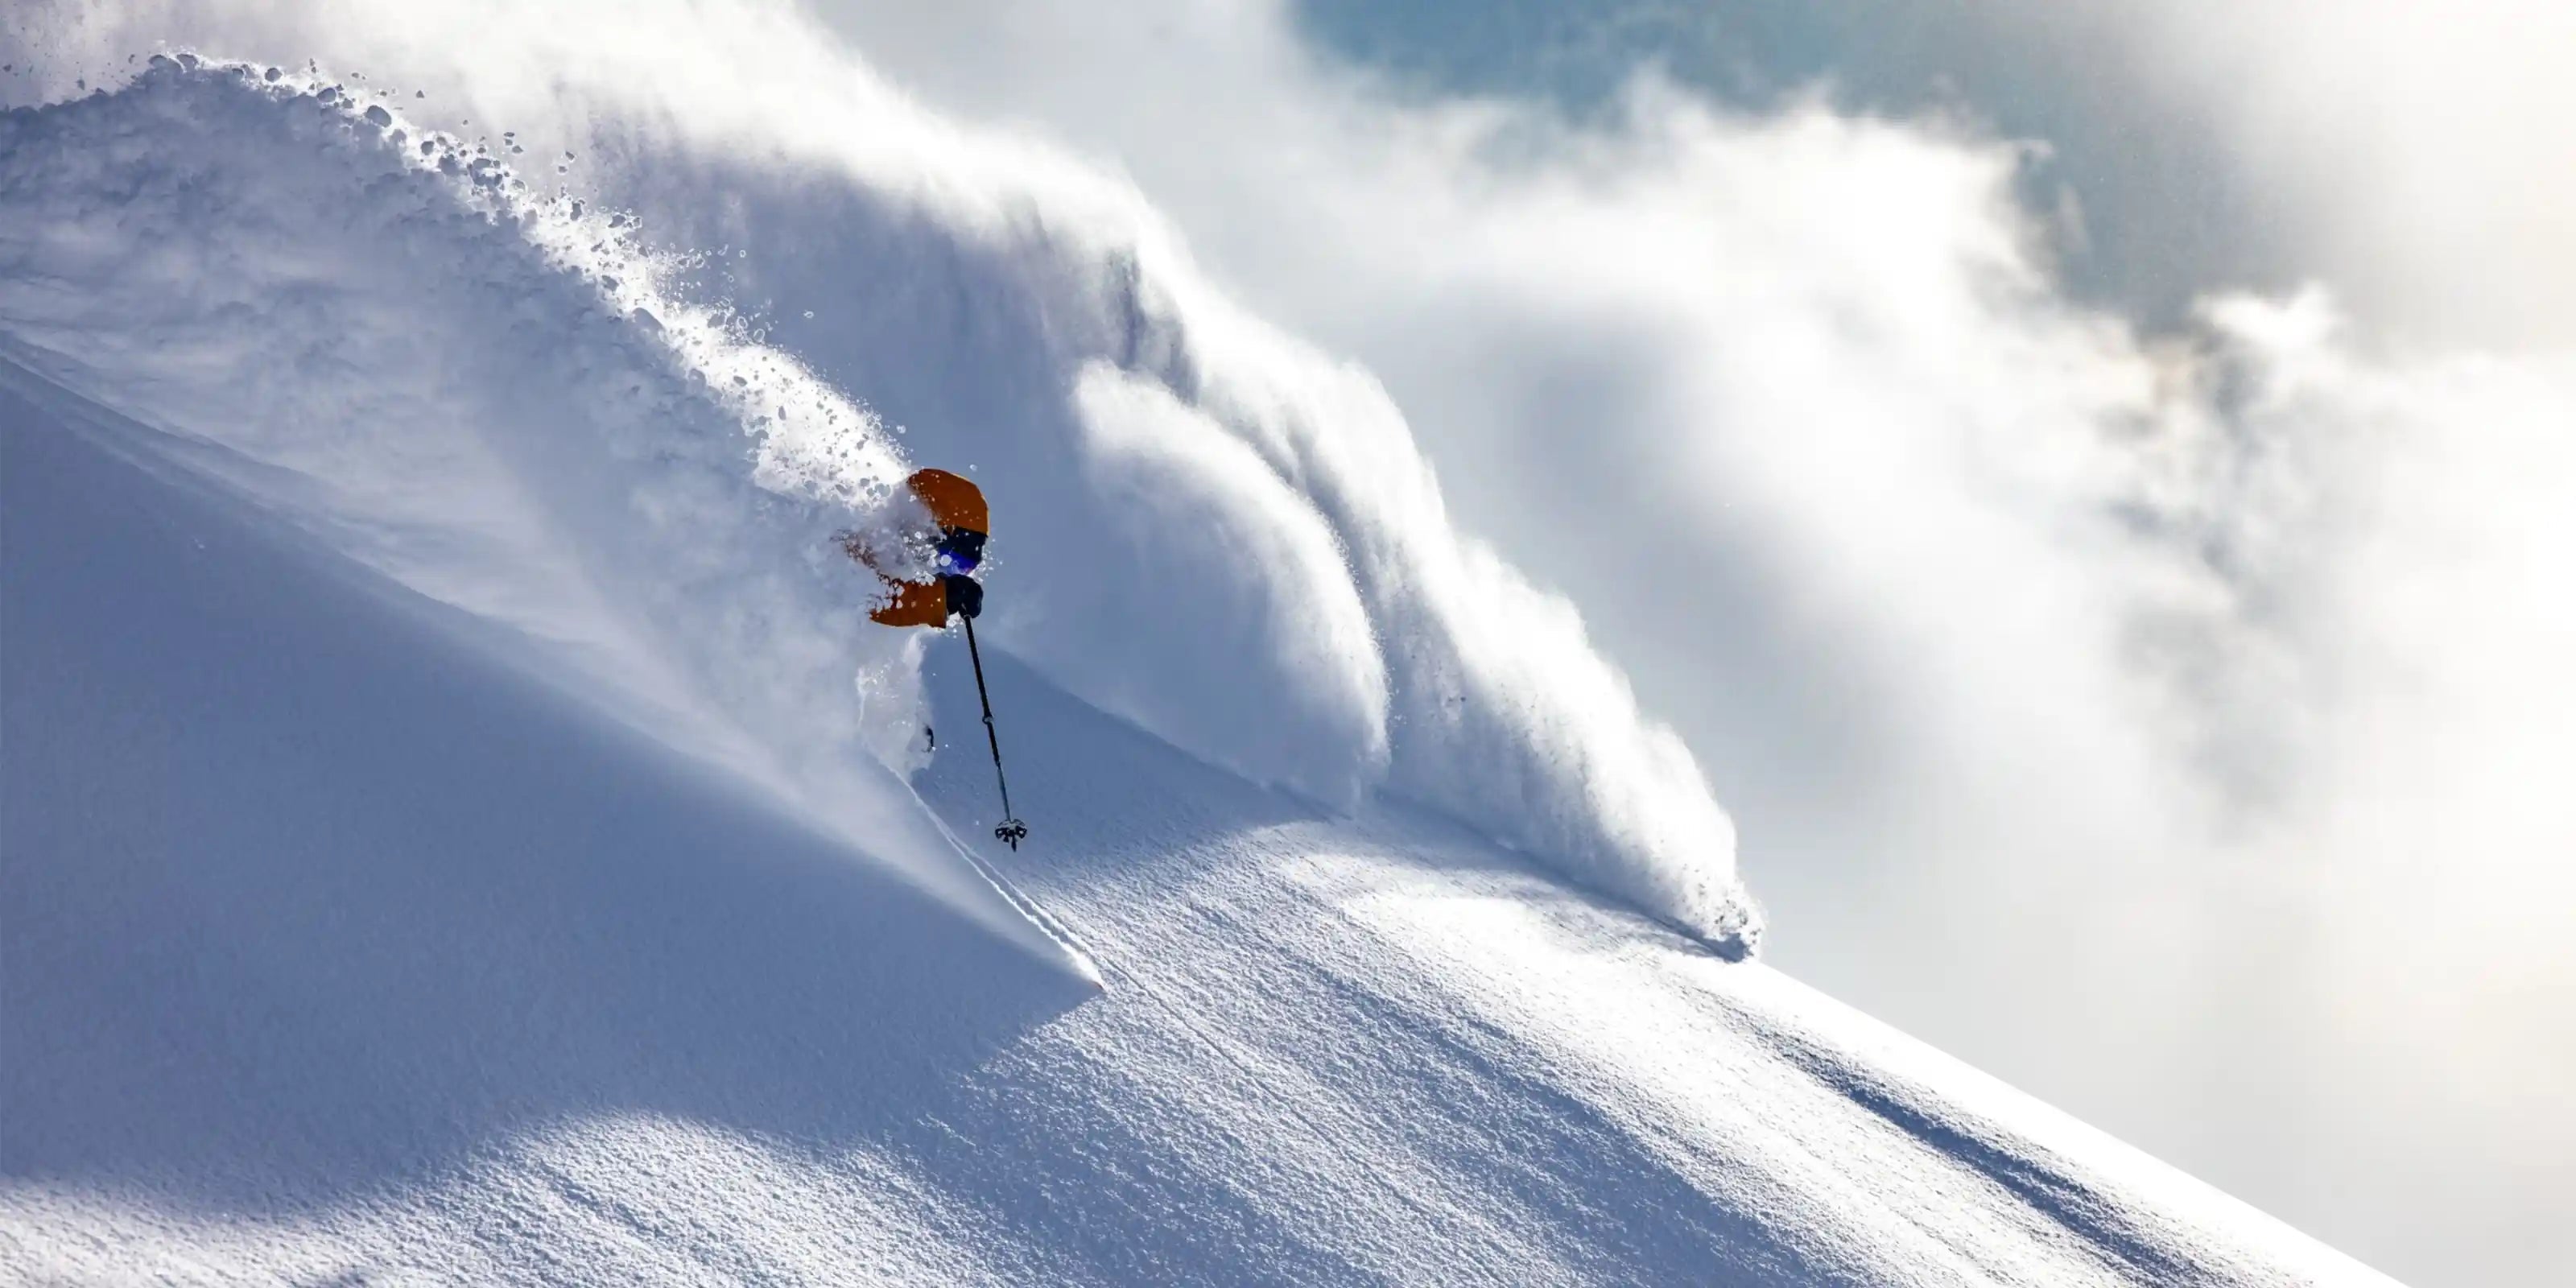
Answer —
957 506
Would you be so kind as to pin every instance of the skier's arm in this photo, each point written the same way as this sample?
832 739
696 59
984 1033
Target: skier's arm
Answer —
965 595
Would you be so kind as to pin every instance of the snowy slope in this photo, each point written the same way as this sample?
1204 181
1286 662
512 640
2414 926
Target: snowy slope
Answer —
458 826
336 951
306 899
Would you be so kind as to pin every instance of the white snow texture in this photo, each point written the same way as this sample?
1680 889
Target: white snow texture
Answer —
457 825
336 952
476 373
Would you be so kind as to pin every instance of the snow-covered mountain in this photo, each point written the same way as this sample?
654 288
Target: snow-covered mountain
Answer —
456 827
339 951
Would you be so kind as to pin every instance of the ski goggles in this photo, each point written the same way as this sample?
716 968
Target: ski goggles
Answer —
959 550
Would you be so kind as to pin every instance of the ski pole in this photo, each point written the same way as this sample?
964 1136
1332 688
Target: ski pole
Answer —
1012 831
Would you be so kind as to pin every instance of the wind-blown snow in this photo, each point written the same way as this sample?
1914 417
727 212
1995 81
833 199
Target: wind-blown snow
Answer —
633 448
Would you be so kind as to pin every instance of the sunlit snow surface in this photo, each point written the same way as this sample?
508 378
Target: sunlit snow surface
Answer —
338 952
444 842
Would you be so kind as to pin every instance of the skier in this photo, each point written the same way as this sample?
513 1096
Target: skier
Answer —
932 577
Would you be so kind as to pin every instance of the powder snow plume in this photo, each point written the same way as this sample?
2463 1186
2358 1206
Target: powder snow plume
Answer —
604 351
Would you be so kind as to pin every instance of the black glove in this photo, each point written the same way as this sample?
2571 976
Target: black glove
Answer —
965 594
